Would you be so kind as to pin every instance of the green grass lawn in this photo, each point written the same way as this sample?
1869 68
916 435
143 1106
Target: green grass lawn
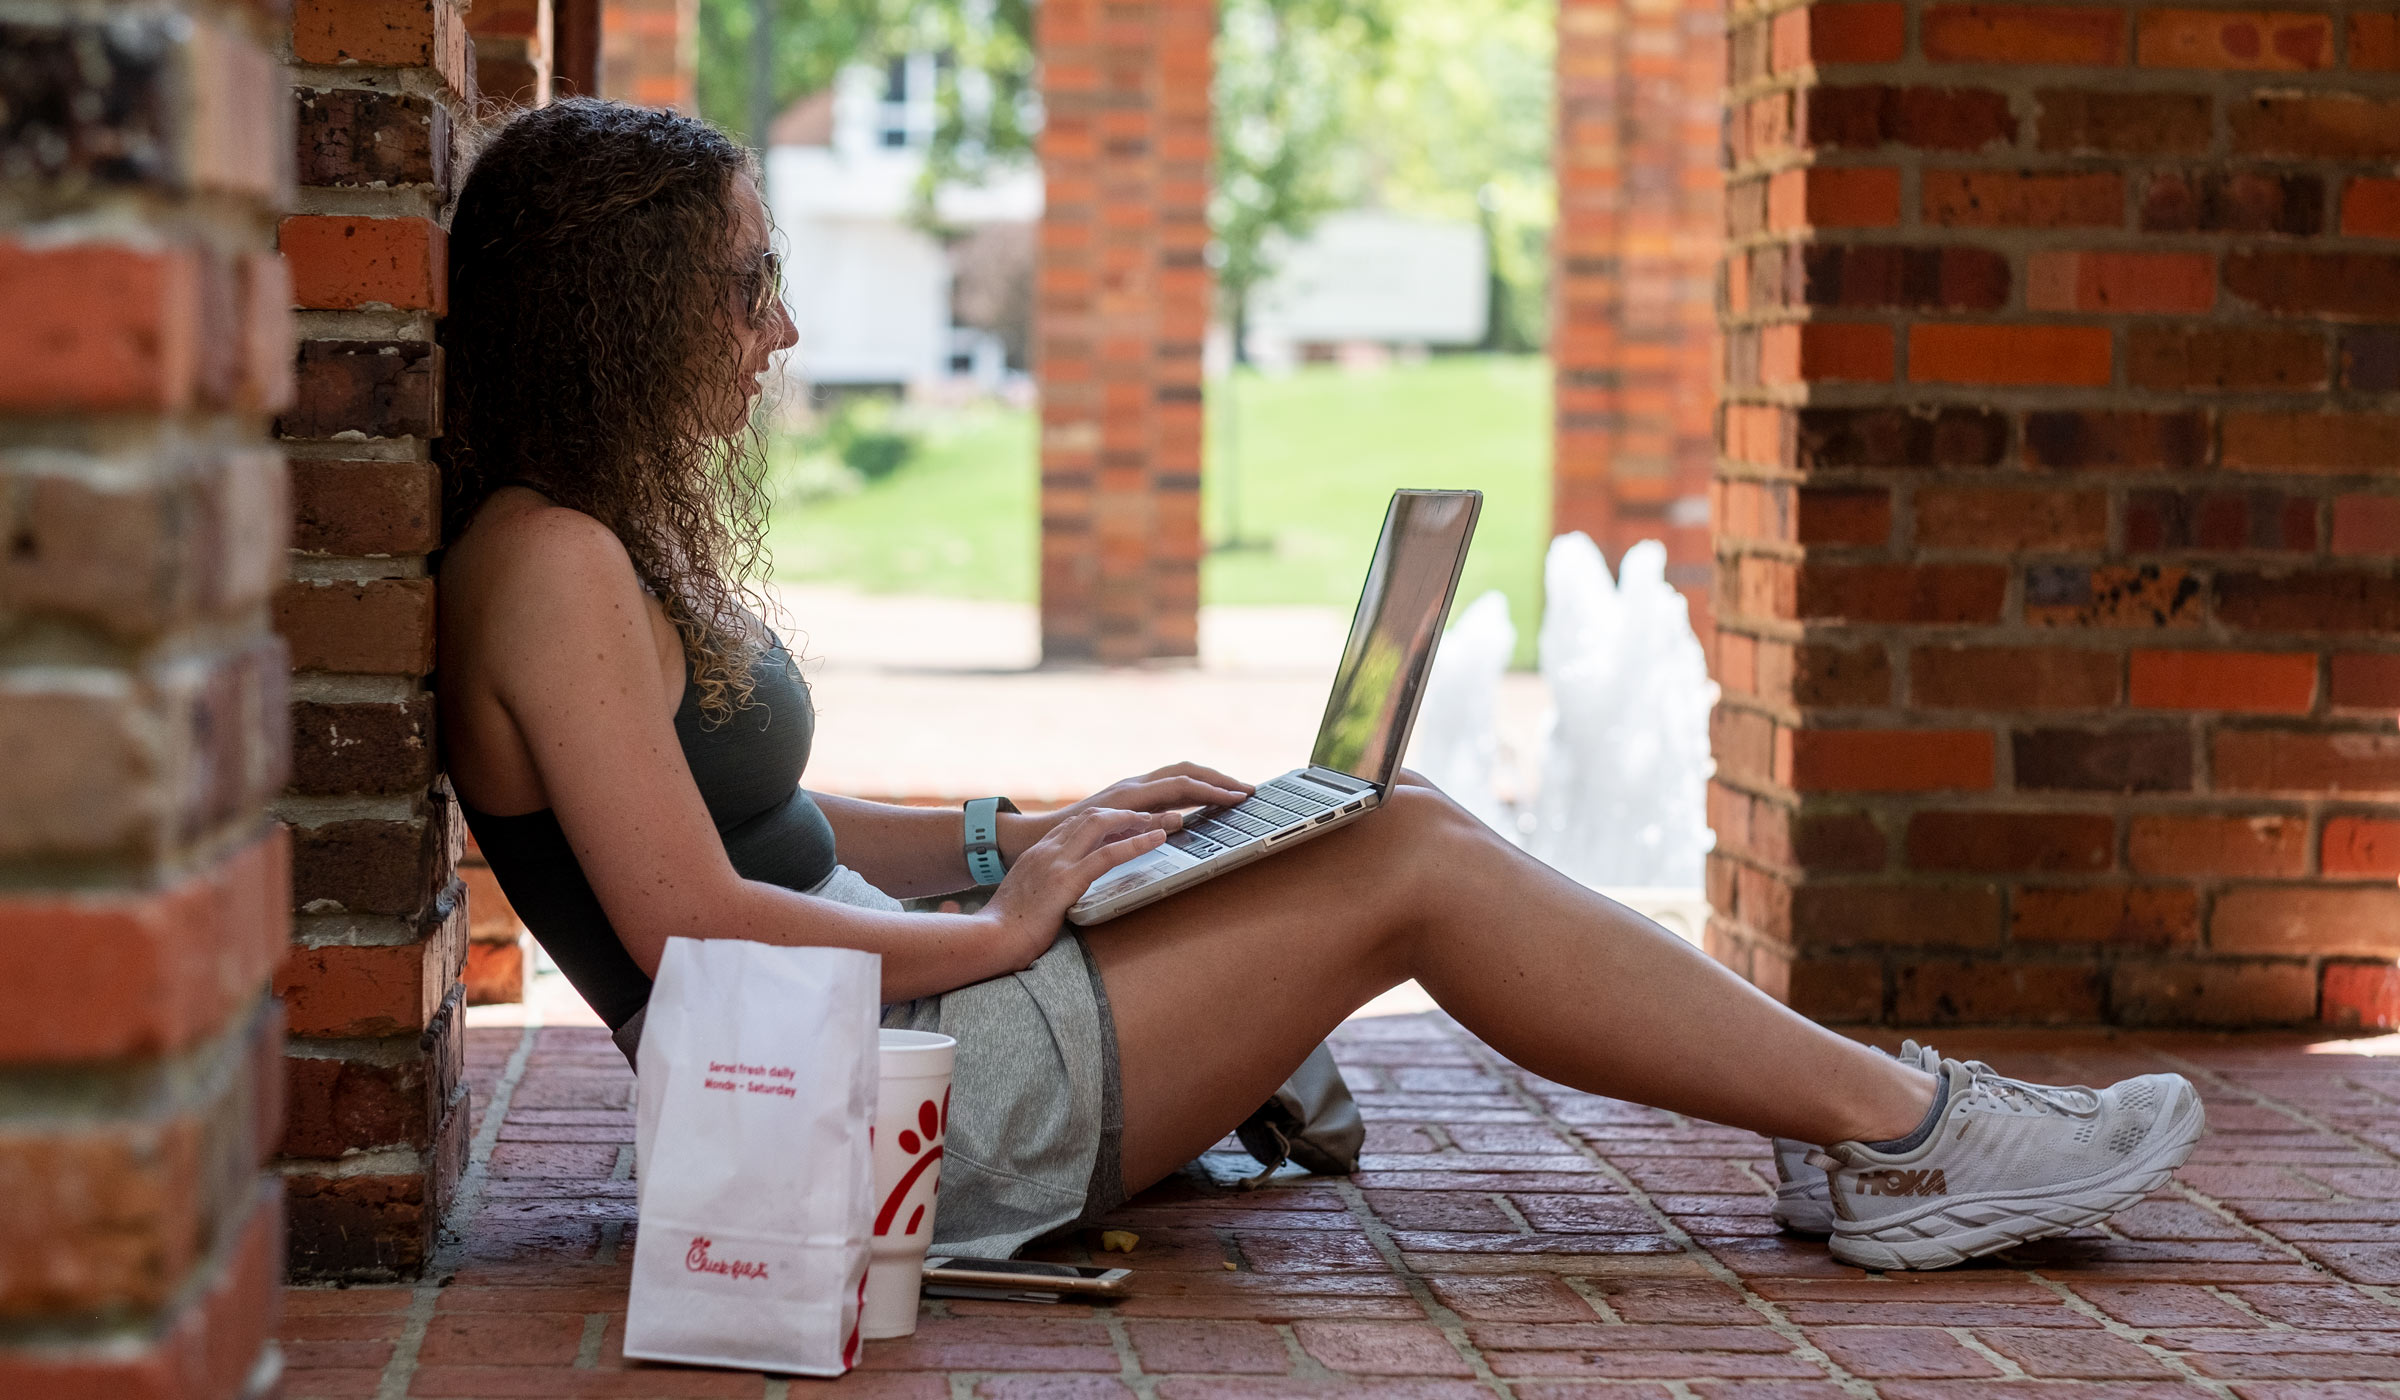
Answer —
1311 458
1307 458
957 521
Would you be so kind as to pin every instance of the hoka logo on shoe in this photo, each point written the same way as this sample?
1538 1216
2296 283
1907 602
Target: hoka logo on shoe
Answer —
1897 1182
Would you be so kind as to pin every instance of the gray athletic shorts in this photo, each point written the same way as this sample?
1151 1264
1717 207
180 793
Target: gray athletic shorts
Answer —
1037 1114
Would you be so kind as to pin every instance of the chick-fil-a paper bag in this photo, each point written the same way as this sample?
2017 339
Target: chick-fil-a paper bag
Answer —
754 1097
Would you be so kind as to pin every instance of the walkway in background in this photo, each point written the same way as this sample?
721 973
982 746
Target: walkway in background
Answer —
1507 1238
941 698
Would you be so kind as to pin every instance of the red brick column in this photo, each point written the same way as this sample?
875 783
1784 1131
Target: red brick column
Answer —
1633 340
512 50
2061 632
1124 307
650 52
575 47
141 701
378 1128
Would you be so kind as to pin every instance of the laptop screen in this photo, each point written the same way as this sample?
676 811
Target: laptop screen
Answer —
1392 637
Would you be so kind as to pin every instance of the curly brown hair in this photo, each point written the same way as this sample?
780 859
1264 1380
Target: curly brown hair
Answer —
587 344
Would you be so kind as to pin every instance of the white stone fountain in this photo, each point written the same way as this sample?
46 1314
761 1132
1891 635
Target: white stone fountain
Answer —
1457 739
1619 798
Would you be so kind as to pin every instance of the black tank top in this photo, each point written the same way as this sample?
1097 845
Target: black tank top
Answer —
748 772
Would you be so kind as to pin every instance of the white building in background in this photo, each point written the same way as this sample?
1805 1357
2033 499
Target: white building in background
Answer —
870 292
1370 276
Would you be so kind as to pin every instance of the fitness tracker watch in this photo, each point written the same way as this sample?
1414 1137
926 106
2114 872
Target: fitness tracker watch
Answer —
983 839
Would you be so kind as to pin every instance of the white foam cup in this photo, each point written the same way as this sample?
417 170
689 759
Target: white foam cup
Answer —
912 1121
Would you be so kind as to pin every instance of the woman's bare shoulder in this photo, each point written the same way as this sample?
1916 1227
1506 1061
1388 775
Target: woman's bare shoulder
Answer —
541 612
529 541
530 561
530 587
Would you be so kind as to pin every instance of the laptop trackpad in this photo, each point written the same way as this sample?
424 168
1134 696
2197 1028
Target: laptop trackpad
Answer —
1141 870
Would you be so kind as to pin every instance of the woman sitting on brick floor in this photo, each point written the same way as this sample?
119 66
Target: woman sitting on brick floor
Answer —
628 740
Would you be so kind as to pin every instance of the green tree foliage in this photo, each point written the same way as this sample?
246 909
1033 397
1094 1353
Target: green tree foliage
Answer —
990 105
813 39
1456 124
1285 72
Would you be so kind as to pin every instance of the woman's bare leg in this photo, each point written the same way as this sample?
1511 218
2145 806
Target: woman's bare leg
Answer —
1220 991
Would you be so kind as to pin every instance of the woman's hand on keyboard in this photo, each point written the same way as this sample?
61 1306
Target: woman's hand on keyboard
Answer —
1176 787
1084 844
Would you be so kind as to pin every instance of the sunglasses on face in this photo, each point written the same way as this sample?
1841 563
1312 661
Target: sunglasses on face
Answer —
767 287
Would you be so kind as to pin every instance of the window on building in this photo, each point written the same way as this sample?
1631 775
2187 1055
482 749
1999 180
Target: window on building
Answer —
892 121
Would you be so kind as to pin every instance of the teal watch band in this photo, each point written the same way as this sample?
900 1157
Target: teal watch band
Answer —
983 839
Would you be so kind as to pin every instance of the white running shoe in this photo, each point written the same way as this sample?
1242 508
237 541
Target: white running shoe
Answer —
2009 1162
1803 1205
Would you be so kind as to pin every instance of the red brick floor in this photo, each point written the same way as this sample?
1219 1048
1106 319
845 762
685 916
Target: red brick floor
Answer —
1507 1237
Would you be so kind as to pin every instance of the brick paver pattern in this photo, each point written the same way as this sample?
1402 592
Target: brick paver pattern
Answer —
1506 1236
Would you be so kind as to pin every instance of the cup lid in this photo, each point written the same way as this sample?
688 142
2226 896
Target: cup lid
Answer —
915 1052
915 1040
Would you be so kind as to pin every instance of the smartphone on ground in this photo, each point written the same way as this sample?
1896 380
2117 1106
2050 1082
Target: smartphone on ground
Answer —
1014 1277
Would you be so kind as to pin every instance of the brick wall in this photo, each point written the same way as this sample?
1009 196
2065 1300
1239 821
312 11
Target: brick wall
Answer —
2061 634
512 50
377 1124
141 699
650 52
1124 304
1633 344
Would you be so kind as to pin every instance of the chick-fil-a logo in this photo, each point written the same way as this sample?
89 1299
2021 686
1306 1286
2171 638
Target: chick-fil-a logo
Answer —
696 1260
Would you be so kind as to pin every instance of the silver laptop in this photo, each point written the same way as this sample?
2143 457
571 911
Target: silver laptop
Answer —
1407 597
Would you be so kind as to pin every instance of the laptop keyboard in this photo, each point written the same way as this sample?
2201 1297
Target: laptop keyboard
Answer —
1276 807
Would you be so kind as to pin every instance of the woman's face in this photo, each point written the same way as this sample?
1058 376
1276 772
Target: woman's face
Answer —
760 333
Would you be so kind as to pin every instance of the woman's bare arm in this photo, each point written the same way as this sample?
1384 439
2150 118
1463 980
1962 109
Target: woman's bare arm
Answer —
912 851
571 659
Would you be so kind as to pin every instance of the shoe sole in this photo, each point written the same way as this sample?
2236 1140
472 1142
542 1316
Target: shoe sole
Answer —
1955 1231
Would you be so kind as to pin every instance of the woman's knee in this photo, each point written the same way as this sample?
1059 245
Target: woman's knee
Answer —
1426 833
1402 857
1423 806
1424 848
